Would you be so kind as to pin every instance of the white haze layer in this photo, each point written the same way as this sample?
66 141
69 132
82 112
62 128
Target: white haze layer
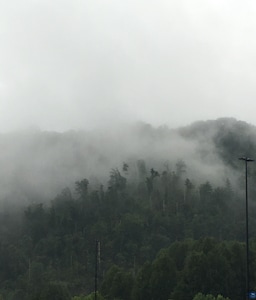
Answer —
36 166
73 64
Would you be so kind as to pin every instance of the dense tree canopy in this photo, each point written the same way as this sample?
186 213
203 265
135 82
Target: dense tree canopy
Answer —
163 235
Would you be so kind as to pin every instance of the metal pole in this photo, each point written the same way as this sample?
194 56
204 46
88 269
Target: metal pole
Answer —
96 271
247 278
247 232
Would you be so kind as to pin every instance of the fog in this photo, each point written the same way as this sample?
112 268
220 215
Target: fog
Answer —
90 64
37 165
77 76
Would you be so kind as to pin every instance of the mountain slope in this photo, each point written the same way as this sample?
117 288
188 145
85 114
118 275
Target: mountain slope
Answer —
37 165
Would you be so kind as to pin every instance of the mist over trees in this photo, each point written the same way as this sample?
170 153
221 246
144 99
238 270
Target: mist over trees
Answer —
166 205
38 164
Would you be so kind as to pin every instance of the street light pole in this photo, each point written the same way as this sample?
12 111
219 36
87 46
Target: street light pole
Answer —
96 269
246 160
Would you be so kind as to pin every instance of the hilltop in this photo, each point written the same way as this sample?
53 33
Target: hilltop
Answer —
166 205
38 164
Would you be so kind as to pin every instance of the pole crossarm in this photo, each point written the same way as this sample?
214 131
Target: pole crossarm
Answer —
246 158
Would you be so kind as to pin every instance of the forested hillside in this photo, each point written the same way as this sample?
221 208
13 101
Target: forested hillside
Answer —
167 207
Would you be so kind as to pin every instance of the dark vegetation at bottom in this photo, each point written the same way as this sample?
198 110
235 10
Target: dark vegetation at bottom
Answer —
161 237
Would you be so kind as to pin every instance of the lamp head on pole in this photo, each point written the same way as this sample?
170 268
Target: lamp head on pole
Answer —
246 158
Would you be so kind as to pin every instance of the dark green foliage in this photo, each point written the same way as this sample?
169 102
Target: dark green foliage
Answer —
56 243
163 277
142 287
117 182
163 235
82 188
200 296
54 291
117 284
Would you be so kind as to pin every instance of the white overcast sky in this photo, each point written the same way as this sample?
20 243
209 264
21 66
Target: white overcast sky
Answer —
86 63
